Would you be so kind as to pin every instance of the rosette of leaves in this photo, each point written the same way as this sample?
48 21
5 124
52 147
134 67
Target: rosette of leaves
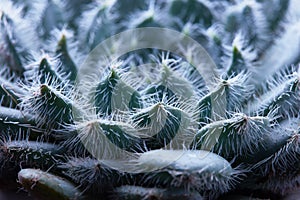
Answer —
189 141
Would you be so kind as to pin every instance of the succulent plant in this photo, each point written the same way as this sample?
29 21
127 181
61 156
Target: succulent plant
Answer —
156 130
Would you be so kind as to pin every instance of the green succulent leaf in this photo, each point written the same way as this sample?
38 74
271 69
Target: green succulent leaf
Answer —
47 186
